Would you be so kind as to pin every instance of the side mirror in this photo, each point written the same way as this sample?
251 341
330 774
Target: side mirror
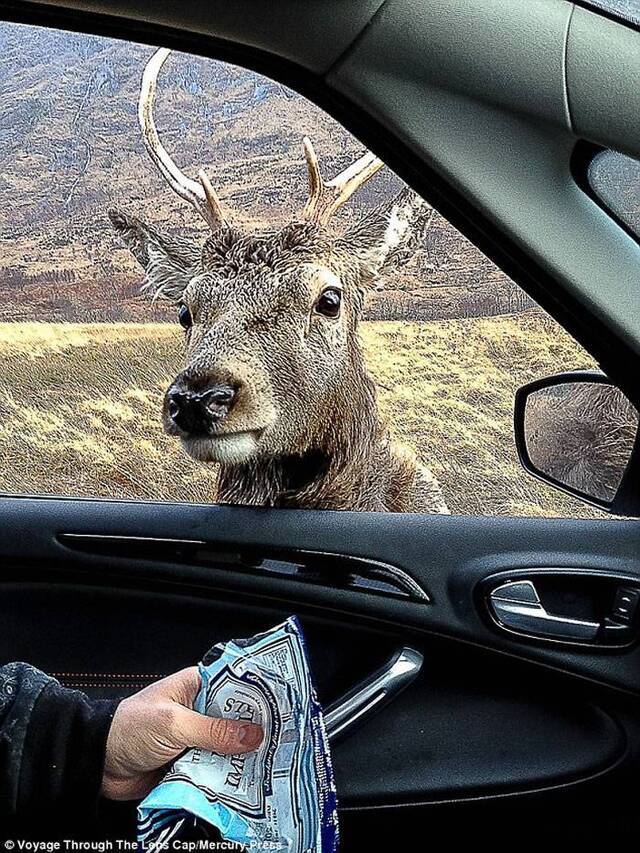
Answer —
578 432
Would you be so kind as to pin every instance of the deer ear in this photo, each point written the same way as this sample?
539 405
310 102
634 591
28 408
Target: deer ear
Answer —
169 264
389 236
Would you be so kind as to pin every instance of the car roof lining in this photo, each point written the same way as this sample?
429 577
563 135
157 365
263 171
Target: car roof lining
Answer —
415 91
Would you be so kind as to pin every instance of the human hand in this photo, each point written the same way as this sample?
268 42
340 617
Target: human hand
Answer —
151 728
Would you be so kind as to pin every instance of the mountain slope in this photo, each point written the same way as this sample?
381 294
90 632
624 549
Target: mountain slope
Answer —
70 147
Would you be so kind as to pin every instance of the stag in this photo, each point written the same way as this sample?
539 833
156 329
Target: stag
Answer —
275 390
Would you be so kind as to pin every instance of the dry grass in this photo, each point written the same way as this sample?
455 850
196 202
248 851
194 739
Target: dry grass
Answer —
80 408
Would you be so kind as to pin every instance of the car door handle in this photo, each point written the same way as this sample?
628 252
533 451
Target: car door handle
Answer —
517 607
371 695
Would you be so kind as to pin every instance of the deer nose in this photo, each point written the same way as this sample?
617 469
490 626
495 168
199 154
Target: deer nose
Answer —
196 412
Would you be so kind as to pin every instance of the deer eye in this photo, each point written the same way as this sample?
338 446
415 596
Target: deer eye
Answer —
184 317
329 302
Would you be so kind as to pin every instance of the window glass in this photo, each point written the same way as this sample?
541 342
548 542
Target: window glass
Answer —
615 178
417 399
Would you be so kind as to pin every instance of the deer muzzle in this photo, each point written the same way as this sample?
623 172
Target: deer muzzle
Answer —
199 413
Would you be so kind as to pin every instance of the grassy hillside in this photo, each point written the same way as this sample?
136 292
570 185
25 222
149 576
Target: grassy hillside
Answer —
80 408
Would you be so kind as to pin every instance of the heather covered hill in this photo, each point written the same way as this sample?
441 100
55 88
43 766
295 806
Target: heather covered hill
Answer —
70 147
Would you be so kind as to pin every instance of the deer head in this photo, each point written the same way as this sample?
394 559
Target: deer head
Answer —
272 356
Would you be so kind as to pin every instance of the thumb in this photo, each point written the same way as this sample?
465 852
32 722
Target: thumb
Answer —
218 734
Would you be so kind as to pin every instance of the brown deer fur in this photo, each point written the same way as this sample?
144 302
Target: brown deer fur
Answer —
306 383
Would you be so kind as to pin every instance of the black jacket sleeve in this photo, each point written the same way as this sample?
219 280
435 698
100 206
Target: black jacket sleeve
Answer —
52 747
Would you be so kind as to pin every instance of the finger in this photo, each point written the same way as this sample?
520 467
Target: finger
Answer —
182 686
217 734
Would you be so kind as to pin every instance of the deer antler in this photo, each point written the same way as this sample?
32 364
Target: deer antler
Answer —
325 198
200 194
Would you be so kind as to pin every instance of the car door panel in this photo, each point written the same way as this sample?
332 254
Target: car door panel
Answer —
112 641
447 557
484 720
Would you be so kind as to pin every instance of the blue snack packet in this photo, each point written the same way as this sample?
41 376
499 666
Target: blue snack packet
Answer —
281 797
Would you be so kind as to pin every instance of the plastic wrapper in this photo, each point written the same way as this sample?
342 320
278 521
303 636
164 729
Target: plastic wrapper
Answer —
280 797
